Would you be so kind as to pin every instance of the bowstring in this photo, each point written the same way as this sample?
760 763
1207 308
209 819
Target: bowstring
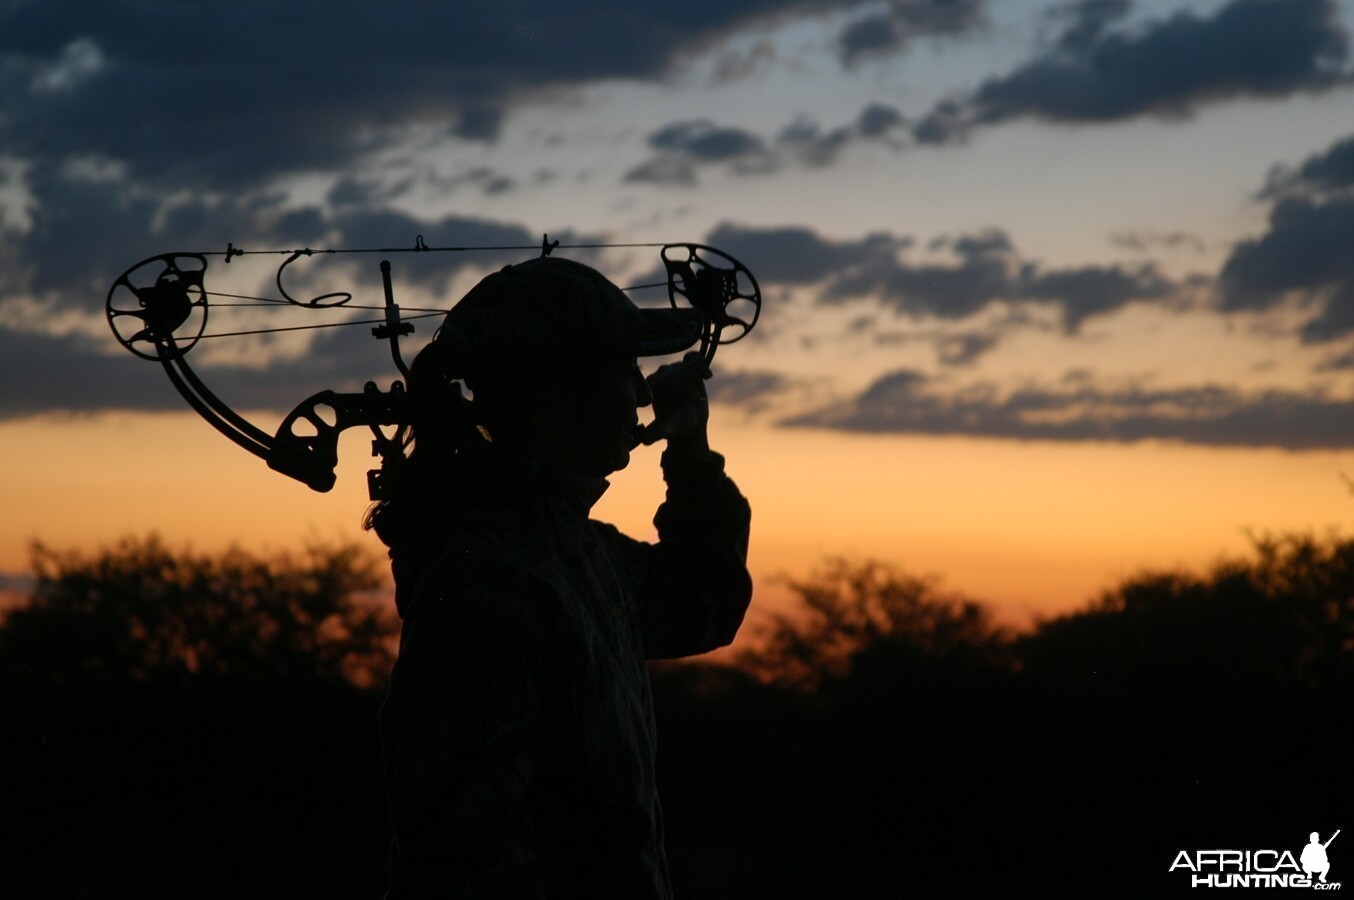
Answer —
232 251
218 334
265 302
422 312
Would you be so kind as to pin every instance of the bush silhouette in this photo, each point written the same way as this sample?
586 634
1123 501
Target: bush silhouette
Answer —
198 725
850 613
140 611
933 754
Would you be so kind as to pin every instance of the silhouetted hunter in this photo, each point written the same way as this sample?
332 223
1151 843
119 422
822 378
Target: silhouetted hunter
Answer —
518 731
1314 859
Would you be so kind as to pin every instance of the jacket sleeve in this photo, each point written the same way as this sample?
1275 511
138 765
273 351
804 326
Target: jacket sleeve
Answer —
461 729
694 587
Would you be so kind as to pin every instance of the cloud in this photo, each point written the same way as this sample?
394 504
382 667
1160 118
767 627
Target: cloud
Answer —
1088 291
313 86
130 129
703 141
888 32
1093 74
683 148
1305 250
85 229
85 371
906 402
742 62
1149 241
1322 174
81 374
795 255
750 390
1338 362
805 141
44 373
965 349
986 269
352 190
126 132
1089 18
669 170
984 272
989 270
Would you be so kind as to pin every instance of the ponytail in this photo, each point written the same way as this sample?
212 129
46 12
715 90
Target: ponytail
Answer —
445 440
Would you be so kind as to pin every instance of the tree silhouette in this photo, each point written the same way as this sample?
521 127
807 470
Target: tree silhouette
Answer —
939 755
184 724
1199 705
141 611
851 612
1283 618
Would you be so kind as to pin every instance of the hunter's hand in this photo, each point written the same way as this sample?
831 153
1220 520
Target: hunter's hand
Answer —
681 408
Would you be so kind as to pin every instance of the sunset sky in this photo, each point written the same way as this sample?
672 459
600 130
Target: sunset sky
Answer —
1054 291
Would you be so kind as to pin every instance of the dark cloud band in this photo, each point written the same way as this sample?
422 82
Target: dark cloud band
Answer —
1306 249
685 147
905 402
1093 74
229 95
987 269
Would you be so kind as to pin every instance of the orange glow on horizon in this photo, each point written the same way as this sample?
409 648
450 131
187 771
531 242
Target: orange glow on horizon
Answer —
1030 528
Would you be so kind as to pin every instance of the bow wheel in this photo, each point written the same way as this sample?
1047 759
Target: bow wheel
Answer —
718 285
158 308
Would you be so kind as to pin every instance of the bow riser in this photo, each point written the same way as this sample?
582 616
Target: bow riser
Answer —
311 458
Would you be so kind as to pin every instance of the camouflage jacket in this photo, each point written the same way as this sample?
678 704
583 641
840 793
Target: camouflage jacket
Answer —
518 731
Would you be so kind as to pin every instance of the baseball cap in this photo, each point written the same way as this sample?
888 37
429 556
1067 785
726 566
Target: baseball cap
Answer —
552 303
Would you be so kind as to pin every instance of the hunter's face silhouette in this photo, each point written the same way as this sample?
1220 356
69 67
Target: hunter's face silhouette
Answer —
598 417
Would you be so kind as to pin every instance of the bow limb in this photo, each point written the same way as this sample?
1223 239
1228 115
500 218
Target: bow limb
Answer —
305 445
212 408
157 309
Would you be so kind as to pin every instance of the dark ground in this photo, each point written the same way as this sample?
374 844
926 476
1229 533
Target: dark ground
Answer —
929 755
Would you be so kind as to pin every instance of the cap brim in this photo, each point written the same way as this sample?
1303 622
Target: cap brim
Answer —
664 331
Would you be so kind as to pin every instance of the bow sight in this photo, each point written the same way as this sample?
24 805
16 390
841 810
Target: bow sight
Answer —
158 310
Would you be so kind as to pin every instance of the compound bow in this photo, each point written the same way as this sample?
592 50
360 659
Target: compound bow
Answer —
158 310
